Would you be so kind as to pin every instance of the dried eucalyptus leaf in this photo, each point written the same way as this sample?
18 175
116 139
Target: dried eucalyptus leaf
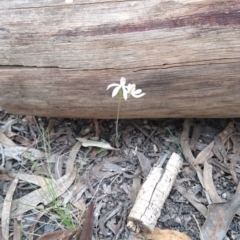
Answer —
219 218
18 151
91 143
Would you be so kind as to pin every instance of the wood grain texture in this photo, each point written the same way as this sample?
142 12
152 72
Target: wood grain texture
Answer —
57 59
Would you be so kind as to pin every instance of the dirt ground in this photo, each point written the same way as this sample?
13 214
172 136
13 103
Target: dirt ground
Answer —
110 179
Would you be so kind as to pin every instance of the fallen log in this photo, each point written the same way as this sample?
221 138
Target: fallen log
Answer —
57 59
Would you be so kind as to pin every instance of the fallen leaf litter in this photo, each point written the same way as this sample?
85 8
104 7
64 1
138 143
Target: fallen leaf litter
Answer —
39 153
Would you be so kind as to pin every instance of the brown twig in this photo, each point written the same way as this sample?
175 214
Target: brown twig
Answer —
95 121
124 217
3 116
149 137
146 134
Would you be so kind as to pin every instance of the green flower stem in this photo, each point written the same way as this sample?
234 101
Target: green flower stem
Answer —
118 112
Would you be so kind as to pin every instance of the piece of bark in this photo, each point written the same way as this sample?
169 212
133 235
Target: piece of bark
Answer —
153 194
183 54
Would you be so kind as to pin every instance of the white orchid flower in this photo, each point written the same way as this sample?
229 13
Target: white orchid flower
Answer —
136 93
124 92
119 87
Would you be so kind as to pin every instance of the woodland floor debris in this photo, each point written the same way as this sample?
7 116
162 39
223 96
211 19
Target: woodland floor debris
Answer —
47 151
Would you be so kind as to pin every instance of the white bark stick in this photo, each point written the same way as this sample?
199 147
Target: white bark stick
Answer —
153 194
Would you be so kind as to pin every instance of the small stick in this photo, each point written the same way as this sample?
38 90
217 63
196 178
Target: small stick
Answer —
149 137
3 158
95 121
124 214
145 133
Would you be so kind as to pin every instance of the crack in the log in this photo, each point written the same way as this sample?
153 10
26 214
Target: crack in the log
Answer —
24 66
4 30
136 69
72 4
63 68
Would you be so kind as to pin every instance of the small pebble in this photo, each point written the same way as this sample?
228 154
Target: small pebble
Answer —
225 195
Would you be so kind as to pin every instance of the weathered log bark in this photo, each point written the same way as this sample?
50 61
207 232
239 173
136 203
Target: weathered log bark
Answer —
57 59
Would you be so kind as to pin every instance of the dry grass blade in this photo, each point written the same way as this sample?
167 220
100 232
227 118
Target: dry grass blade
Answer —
7 208
31 200
72 157
219 218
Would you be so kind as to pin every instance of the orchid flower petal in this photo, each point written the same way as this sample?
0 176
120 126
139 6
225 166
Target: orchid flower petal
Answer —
125 93
116 90
112 85
138 96
137 91
122 82
131 88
